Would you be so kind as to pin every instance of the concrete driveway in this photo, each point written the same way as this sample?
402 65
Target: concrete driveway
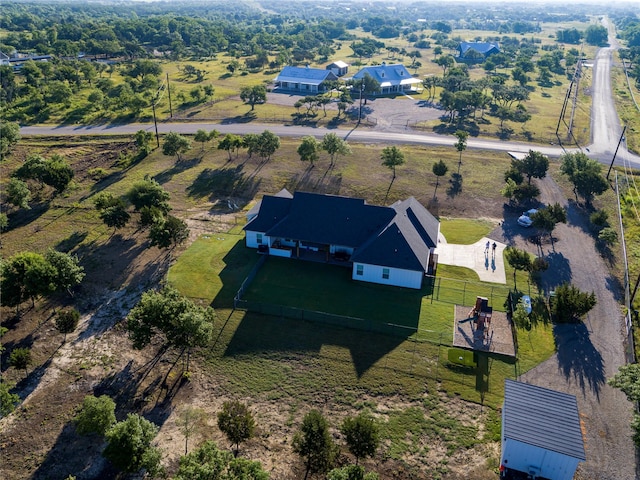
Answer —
488 263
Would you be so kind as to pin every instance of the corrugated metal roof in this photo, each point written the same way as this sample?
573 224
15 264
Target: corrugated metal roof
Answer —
544 418
339 64
386 74
310 76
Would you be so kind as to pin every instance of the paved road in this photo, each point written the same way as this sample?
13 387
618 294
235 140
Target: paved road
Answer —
360 134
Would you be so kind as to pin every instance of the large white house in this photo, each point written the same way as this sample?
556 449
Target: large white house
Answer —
393 78
388 245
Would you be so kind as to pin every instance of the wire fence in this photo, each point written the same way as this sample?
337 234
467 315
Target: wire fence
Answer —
464 292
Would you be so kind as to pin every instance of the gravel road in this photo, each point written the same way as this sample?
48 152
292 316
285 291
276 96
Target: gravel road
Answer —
589 353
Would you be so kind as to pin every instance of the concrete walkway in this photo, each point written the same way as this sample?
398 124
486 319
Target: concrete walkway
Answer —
490 266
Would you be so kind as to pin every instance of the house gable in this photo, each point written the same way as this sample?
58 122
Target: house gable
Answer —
483 48
392 78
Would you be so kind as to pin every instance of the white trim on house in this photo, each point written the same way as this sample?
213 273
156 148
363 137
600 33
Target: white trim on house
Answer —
396 276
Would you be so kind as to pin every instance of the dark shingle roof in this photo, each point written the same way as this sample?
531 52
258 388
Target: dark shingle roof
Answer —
284 193
406 241
312 76
331 219
272 210
544 418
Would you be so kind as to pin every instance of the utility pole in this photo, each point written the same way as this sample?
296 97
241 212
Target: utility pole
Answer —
169 92
616 152
576 77
155 122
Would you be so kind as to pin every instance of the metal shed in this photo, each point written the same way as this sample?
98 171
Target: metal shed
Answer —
541 434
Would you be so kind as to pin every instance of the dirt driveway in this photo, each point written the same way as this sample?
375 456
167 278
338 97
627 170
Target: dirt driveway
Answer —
589 353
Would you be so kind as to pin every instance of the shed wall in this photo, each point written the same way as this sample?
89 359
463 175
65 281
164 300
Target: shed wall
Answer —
520 456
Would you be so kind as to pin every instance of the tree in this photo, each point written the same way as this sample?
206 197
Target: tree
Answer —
391 158
143 141
9 136
20 359
175 144
190 420
58 173
608 236
236 422
149 193
129 445
67 321
253 95
628 381
351 472
534 164
231 143
8 400
570 304
4 221
518 260
112 210
144 68
585 174
313 442
168 232
25 275
210 463
202 136
268 143
439 169
371 86
334 145
97 415
446 62
596 35
69 273
362 435
461 145
172 316
547 218
308 149
18 193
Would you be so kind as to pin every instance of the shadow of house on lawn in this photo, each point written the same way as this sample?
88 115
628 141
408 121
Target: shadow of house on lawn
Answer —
312 304
577 356
238 262
221 182
261 335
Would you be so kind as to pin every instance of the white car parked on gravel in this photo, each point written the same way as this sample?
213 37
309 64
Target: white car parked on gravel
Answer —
525 219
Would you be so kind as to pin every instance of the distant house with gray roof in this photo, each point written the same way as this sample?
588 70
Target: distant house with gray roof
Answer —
304 80
394 78
339 68
387 245
476 51
541 434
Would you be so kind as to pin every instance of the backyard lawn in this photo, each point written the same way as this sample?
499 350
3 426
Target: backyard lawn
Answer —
285 356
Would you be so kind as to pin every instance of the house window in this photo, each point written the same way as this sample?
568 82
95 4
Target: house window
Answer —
360 270
259 238
385 273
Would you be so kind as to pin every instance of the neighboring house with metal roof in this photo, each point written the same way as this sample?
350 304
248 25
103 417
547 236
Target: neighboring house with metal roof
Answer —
541 434
388 245
305 80
393 78
476 51
339 68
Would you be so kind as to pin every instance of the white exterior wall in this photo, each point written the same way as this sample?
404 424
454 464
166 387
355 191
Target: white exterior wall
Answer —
251 239
520 456
397 276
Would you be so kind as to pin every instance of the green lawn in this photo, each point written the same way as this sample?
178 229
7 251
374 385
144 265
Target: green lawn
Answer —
464 231
261 354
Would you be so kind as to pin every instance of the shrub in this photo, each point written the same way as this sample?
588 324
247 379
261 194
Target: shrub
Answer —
570 304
